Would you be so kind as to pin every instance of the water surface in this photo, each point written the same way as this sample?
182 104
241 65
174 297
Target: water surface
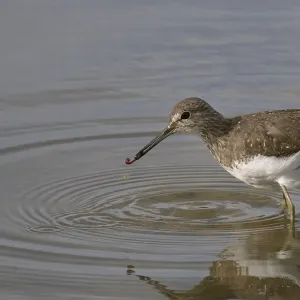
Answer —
84 84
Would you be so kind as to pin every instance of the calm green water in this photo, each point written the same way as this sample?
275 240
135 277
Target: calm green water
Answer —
83 85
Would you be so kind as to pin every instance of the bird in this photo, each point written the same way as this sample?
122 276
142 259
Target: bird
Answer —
261 149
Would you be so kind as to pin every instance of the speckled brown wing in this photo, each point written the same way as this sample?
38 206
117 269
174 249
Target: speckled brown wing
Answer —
274 133
284 131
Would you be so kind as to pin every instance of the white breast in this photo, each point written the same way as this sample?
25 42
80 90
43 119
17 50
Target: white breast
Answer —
263 171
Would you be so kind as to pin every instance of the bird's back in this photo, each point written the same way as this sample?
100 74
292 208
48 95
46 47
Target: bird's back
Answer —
263 148
270 133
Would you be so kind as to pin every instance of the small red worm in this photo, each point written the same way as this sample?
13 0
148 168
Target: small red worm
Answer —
129 162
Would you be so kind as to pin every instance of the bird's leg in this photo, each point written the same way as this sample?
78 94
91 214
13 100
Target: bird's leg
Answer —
289 204
283 204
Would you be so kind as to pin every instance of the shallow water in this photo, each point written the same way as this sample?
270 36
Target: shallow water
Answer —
84 85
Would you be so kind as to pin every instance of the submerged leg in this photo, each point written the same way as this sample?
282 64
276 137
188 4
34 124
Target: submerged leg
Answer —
289 204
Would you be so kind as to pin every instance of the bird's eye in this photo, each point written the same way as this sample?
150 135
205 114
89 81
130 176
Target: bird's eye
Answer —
185 115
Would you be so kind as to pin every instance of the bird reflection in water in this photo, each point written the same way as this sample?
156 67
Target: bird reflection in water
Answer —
264 266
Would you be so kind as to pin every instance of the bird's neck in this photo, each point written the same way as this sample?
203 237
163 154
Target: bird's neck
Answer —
215 128
215 135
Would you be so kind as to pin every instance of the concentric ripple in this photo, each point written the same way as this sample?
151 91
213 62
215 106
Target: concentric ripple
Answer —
159 199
